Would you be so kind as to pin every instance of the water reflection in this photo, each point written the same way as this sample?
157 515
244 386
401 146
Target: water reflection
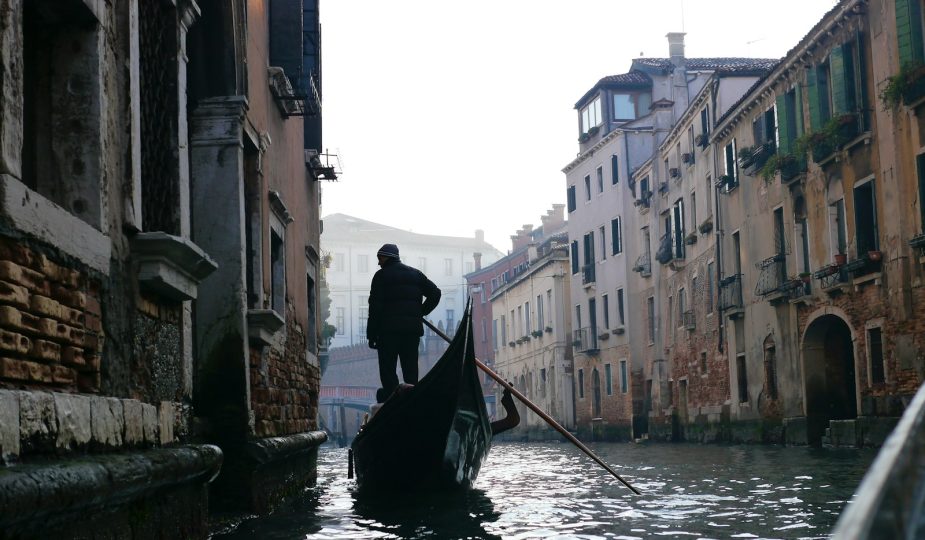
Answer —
553 491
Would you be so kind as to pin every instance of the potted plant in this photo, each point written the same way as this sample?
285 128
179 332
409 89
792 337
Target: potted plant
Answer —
706 226
618 330
549 329
537 333
691 238
841 259
511 343
806 277
603 336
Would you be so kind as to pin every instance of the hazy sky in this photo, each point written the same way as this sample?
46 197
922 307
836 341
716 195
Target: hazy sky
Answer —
451 116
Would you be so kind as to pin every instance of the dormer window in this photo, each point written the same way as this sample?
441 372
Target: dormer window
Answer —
591 115
630 106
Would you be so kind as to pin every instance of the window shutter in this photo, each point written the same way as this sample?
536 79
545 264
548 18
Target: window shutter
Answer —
861 79
799 112
783 130
909 31
815 115
837 70
574 256
614 169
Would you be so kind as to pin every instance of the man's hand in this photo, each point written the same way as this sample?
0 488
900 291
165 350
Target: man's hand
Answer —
373 344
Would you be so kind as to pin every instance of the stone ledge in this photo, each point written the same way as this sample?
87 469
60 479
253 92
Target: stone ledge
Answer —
48 492
262 325
170 265
278 448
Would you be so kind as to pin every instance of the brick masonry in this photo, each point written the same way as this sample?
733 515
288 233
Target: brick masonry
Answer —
50 322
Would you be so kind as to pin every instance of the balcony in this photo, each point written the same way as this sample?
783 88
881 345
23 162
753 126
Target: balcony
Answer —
643 265
867 263
791 168
689 320
584 340
918 242
831 277
587 274
730 293
753 159
644 200
772 273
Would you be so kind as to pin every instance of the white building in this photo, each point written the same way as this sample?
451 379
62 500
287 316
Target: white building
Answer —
352 243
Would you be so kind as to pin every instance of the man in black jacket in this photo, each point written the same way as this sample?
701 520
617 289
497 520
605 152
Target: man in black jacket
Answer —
399 299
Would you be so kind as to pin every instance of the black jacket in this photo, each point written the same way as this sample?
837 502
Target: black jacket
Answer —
399 299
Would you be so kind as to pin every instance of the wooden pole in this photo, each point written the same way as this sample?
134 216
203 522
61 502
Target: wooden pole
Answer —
542 414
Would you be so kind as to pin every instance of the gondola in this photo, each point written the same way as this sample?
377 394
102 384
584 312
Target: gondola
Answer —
434 435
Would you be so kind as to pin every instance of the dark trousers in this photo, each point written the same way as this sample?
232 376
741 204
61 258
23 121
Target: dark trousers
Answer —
391 348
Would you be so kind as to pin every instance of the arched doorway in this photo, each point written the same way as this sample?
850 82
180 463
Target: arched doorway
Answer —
828 361
596 391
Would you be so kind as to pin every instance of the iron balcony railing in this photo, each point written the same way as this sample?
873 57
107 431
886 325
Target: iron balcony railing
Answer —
585 340
772 273
643 264
689 320
587 274
730 293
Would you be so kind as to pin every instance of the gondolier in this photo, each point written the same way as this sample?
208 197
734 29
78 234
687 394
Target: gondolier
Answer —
399 298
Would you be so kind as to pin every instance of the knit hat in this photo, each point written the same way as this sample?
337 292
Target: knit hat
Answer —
388 250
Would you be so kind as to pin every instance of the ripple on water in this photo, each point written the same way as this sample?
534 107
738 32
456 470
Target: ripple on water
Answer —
553 491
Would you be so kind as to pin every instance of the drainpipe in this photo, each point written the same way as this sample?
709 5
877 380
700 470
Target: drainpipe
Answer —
719 226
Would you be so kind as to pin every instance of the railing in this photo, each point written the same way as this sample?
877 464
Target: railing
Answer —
643 264
665 252
831 275
772 273
587 274
689 320
585 340
730 293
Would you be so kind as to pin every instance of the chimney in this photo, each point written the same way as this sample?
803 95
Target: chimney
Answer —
531 251
480 235
478 260
676 48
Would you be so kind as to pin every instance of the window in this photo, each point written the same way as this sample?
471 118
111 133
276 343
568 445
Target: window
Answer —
608 379
422 264
678 228
503 331
606 300
667 170
591 115
311 304
909 33
875 353
600 178
470 267
644 191
596 389
62 102
820 106
693 211
650 311
574 256
670 314
338 262
571 199
837 227
448 267
549 304
516 323
631 106
620 317
581 383
527 327
588 187
339 321
540 320
589 249
736 253
705 121
578 317
770 369
703 362
682 305
364 318
690 142
363 264
711 276
742 378
616 235
709 192
731 169
764 127
451 321
603 243
614 169
494 334
278 272
865 218
624 383
484 330
920 162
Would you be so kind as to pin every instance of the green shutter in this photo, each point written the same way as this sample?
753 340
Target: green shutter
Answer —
799 112
861 80
815 115
783 127
909 31
838 81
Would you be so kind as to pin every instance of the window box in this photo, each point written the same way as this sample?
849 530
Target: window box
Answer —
826 271
687 158
727 182
262 325
576 343
511 343
537 333
690 239
663 188
702 140
170 266
525 339
584 137
618 331
706 226
604 336
674 172
907 86
549 329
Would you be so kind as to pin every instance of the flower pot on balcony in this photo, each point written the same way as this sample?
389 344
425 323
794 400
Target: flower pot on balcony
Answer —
603 336
549 329
874 255
841 259
618 330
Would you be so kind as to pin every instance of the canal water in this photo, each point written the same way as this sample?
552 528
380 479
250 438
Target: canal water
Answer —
551 490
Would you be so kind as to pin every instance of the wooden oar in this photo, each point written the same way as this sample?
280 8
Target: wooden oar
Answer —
549 420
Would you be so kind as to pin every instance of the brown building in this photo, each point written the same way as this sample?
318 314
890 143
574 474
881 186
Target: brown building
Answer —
158 261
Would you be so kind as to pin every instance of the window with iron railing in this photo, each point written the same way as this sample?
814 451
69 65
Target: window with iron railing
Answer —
730 292
585 339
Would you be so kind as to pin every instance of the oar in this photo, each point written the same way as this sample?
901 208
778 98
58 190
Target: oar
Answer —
550 420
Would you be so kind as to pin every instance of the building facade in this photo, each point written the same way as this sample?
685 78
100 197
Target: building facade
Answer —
160 188
351 244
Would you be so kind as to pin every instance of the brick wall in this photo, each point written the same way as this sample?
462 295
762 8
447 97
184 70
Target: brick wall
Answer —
284 387
50 327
